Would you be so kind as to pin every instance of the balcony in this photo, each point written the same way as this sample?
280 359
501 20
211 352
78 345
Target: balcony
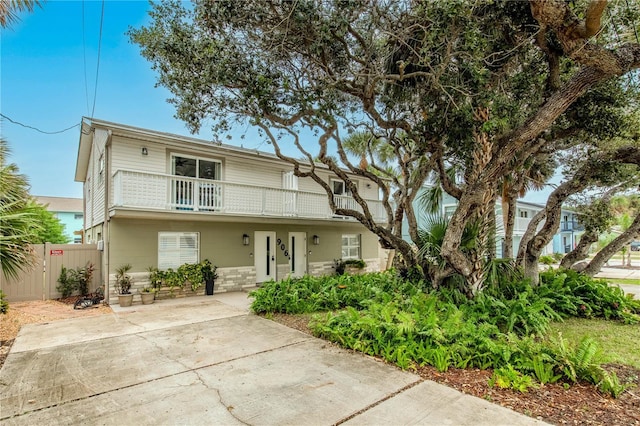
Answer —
571 225
160 192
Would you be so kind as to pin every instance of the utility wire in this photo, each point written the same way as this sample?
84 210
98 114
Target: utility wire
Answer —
35 128
84 59
95 91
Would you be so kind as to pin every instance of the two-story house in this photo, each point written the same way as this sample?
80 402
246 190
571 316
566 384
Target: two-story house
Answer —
154 199
569 233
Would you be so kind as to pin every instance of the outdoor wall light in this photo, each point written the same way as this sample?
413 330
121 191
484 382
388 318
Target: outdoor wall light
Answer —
145 151
316 240
245 240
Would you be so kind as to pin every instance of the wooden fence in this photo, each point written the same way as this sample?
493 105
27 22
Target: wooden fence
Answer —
39 283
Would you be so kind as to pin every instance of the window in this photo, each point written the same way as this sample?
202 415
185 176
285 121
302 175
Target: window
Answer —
77 216
449 211
351 246
177 248
339 188
101 168
197 168
524 213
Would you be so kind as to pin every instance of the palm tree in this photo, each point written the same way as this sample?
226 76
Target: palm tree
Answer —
17 220
9 10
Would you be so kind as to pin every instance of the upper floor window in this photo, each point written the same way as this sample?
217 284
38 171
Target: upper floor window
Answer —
339 188
77 216
196 167
101 168
524 213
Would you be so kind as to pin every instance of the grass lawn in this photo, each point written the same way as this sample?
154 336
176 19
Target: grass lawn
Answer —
617 342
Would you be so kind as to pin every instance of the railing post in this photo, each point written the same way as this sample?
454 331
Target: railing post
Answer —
196 195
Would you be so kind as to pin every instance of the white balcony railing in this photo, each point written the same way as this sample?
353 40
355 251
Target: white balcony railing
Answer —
153 191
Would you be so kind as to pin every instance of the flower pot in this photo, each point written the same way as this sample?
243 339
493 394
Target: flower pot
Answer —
125 300
209 287
147 298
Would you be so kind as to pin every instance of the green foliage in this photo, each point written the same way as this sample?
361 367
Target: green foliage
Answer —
72 280
65 284
195 274
4 304
123 280
341 265
508 378
18 221
51 230
503 328
547 260
572 294
192 274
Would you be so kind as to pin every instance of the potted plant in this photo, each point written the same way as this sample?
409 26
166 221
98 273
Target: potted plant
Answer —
147 295
209 275
123 285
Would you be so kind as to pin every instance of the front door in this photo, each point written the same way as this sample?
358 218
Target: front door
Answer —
298 253
265 255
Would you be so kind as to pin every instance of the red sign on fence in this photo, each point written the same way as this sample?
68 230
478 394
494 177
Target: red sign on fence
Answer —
56 252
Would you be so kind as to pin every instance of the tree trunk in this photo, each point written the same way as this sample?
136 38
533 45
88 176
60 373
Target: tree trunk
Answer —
613 247
581 251
509 219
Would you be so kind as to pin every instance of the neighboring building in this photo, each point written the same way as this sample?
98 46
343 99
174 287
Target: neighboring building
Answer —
160 200
569 233
524 213
69 212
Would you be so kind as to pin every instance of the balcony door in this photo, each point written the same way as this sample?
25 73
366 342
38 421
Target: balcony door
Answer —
193 187
265 255
298 253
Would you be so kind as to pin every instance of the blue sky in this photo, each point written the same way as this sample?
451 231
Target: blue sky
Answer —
43 84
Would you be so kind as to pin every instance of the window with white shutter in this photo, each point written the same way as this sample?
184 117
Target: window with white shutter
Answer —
351 246
177 248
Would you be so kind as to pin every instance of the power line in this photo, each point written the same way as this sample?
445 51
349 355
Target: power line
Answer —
95 91
84 59
35 128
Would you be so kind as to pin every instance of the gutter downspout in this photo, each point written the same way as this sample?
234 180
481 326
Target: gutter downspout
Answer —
105 231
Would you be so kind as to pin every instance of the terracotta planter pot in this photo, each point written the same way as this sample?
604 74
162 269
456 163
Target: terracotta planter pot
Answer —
125 300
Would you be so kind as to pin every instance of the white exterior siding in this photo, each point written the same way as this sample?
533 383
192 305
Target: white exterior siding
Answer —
127 155
95 183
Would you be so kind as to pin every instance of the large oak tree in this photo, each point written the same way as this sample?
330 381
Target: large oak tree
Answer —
487 88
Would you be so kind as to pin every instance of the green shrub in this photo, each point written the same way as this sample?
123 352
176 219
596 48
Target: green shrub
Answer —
66 282
72 280
547 260
501 328
4 304
509 378
572 294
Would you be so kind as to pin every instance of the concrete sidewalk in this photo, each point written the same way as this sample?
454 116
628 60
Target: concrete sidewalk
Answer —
622 273
206 360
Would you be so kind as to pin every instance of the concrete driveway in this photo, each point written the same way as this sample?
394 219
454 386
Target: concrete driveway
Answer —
206 360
